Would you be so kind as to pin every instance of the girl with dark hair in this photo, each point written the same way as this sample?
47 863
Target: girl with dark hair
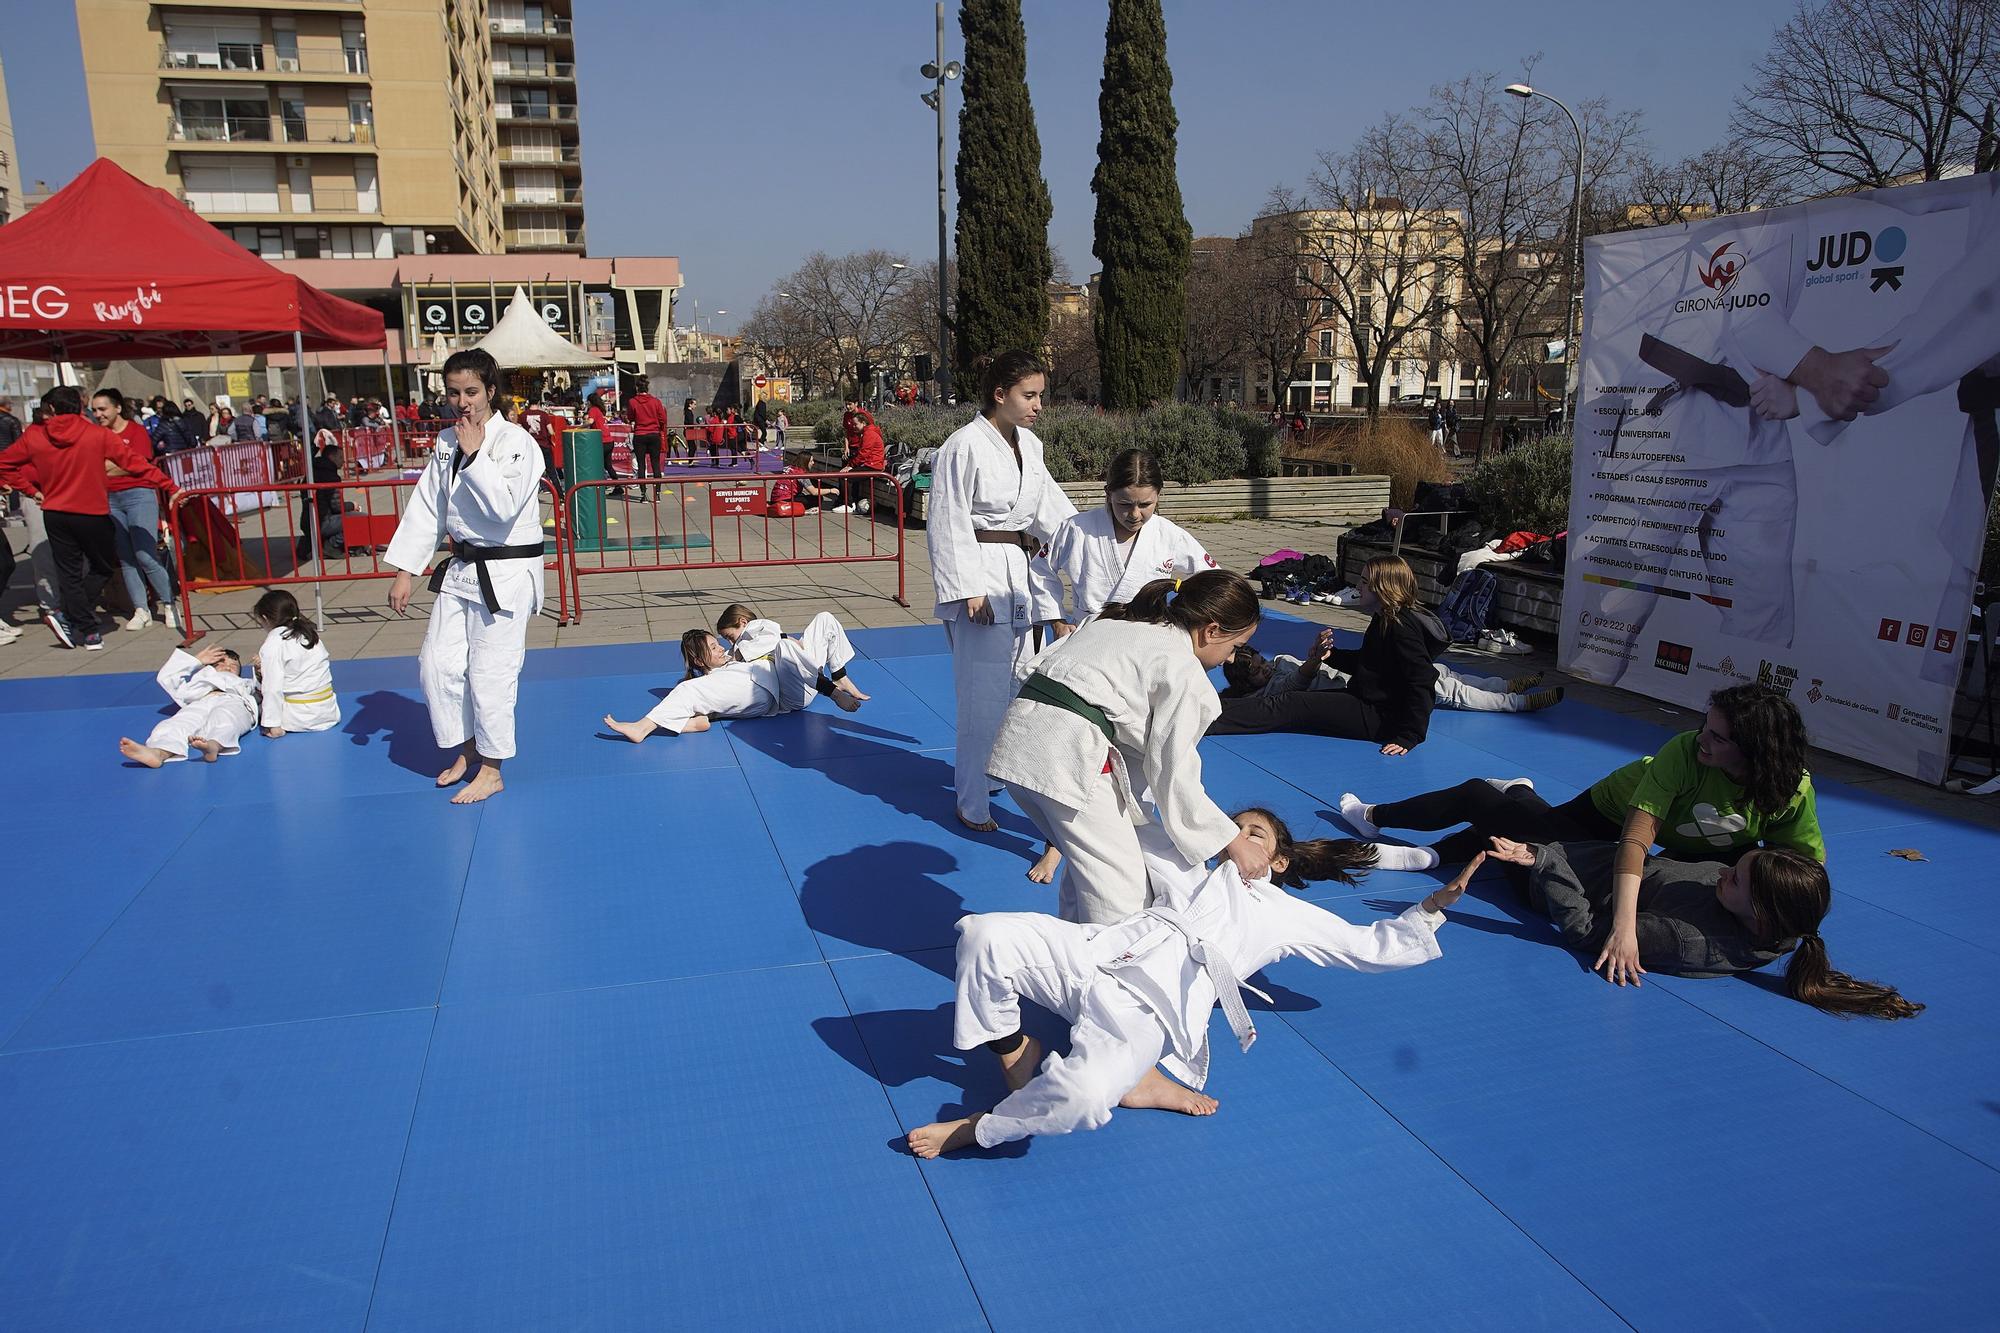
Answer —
993 506
1109 553
135 515
293 668
1738 784
1392 676
719 684
1704 919
1141 991
481 492
1118 708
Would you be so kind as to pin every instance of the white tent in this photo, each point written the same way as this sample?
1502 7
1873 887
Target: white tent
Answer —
522 340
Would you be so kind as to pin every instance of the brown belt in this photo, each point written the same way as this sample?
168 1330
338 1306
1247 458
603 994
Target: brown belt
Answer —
997 537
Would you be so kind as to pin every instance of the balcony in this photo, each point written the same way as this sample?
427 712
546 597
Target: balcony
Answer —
548 27
572 197
248 58
549 71
544 238
542 155
268 130
562 112
343 202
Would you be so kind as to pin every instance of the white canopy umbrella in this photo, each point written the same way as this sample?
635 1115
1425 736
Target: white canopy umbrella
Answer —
522 340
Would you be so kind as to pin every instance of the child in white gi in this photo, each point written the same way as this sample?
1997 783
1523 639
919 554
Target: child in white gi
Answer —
217 705
750 637
1140 991
993 505
481 491
718 684
1111 716
293 670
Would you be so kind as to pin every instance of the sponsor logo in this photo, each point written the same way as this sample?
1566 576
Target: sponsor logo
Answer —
1778 676
1890 631
1815 693
19 300
1895 712
1727 666
1910 717
1946 640
1722 270
1918 635
1674 657
1850 250
143 299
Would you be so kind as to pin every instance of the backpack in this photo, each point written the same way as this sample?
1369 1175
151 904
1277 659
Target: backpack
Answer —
1467 606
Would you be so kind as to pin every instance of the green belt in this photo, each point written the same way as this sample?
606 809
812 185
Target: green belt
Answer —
1042 690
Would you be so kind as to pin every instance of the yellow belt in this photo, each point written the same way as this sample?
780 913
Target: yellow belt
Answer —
317 697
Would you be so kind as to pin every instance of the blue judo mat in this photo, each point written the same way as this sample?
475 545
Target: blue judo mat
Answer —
287 1041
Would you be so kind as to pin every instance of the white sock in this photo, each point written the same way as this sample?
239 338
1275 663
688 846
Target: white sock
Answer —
1506 784
1358 815
1395 856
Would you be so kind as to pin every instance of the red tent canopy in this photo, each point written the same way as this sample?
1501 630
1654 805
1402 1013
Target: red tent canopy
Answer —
112 269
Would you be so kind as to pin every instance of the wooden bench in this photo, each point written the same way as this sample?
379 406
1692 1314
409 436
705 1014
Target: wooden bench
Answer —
1526 597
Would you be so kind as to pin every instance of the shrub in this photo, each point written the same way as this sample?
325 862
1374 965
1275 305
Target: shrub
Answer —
1078 443
1527 487
920 426
1400 449
1259 437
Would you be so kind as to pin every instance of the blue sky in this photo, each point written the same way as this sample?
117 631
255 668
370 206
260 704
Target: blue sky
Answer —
742 136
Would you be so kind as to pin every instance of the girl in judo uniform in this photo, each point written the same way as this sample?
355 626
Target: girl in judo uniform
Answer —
993 506
293 670
217 705
481 493
1106 727
719 684
1139 991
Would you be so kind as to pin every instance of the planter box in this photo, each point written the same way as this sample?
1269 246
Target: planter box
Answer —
1526 597
1344 500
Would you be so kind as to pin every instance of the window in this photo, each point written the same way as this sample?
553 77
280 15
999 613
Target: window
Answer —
214 42
231 185
1326 308
222 117
1326 342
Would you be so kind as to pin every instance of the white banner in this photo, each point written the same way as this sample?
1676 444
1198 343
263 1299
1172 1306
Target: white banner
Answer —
1733 517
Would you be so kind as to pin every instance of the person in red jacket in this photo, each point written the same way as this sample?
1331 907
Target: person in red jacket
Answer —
866 452
649 431
62 457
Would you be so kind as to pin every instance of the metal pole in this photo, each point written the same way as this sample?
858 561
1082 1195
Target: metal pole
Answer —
312 500
1571 324
944 346
395 428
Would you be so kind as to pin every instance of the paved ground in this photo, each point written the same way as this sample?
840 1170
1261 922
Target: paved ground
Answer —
626 607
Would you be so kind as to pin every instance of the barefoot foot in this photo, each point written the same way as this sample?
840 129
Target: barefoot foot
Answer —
456 773
927 1141
631 731
1043 871
1020 1067
1157 1092
847 683
989 826
141 754
845 702
205 747
485 783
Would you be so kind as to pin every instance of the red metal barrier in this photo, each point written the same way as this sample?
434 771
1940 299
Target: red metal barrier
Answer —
729 523
366 449
263 548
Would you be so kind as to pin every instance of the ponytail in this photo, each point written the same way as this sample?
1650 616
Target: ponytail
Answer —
1791 894
1319 859
278 609
1212 597
694 652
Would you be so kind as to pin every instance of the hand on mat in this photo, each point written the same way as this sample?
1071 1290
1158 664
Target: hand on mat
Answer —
1251 859
1620 959
977 611
1513 853
275 733
1440 899
1394 749
399 592
1773 399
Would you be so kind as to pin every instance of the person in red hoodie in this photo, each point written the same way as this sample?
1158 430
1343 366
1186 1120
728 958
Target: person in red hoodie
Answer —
62 457
649 431
866 452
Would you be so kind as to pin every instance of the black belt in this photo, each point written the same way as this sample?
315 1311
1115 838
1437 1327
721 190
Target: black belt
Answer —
1979 398
477 557
1690 371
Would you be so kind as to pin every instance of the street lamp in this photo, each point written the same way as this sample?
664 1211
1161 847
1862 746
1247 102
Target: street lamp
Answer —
940 72
1570 323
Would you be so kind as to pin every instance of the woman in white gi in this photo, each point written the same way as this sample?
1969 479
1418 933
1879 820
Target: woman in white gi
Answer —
217 705
1117 708
481 491
293 670
783 679
1140 991
992 507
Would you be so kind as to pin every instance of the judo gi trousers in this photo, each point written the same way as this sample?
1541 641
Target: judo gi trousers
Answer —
1103 875
471 669
217 718
1004 957
988 664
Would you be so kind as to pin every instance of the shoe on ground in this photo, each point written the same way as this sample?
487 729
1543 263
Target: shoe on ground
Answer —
8 633
1541 699
55 621
1345 597
171 619
1503 641
140 619
93 642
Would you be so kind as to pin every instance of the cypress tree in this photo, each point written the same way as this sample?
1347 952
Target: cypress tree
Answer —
1143 238
1003 202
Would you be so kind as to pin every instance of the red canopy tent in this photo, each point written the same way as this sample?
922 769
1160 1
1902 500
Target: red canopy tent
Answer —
113 269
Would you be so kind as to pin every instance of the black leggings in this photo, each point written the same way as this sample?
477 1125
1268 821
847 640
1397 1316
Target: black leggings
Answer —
1314 712
645 447
86 554
1518 813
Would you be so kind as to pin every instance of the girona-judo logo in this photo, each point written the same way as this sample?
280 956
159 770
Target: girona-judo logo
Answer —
1722 270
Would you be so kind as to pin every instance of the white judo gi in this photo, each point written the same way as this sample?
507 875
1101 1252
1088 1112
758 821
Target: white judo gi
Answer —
758 640
1159 702
1138 992
297 684
214 705
1467 693
976 486
783 680
1102 569
471 658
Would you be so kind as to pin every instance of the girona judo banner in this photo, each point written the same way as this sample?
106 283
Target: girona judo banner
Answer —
1785 446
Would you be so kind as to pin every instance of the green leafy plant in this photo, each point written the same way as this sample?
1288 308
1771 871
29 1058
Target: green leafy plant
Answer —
1524 488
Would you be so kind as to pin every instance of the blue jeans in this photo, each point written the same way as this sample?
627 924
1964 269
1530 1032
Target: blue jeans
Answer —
135 519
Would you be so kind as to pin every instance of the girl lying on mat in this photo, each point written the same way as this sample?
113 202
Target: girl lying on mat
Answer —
1712 795
719 684
1705 919
1140 991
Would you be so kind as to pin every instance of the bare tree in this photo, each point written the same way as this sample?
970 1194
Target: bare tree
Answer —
1217 331
1278 312
831 312
1717 180
1072 353
1868 92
